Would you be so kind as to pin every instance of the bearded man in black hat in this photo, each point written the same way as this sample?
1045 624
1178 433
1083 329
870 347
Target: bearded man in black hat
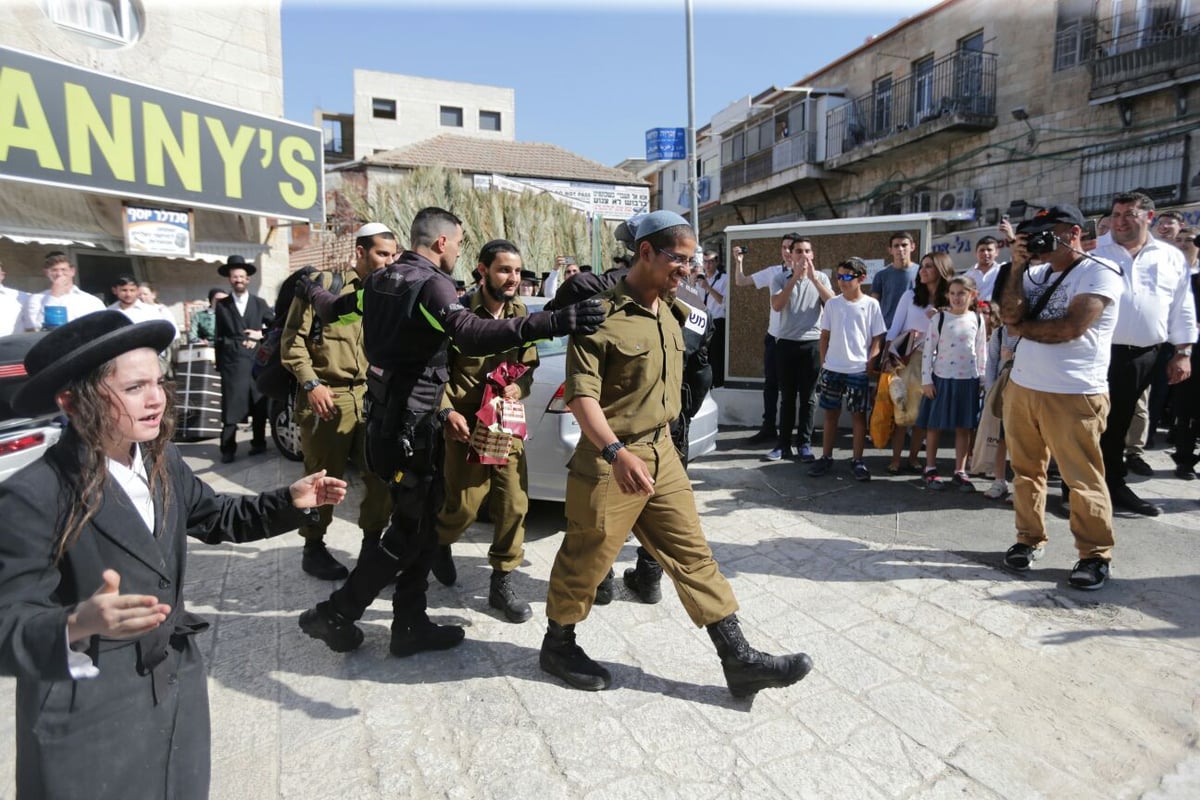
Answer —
240 320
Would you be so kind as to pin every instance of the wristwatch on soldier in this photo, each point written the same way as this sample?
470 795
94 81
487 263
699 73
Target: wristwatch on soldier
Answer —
310 385
610 451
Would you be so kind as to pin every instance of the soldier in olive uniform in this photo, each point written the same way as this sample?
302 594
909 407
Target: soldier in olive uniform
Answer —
623 385
469 484
331 369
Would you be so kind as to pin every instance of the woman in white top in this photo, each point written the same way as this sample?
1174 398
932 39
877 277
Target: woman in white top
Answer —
713 285
907 334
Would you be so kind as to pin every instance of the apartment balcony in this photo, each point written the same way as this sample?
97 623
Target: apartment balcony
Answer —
956 93
786 161
1148 59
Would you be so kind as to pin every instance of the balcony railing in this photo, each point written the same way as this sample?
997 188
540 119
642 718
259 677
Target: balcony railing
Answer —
790 152
962 84
1145 56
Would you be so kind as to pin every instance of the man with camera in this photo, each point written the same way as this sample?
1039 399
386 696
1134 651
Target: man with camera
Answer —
1064 308
1156 308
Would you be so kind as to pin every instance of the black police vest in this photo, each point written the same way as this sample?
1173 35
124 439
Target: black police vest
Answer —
402 339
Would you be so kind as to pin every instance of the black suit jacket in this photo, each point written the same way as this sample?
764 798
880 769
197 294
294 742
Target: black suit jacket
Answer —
235 361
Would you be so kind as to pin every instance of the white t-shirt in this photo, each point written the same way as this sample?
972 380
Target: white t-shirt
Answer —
1079 366
851 328
77 302
985 282
12 308
762 280
720 284
909 317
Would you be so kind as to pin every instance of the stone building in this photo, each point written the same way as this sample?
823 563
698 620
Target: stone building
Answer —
117 112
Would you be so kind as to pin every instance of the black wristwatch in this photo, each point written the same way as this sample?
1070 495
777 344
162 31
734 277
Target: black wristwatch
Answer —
610 451
443 415
308 386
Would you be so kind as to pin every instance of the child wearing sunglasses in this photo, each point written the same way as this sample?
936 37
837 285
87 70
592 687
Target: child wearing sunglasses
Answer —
852 330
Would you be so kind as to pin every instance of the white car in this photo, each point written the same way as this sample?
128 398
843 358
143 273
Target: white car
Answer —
23 440
553 432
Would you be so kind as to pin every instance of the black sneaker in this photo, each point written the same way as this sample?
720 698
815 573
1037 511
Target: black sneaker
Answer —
1138 466
821 466
861 473
1089 574
322 622
320 564
1021 556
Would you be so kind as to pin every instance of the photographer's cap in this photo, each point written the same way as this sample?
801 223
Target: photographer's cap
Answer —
371 229
1054 215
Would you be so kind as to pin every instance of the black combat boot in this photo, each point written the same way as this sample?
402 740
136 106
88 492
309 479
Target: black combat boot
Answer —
443 566
416 633
644 579
502 597
746 669
564 659
324 622
604 592
318 562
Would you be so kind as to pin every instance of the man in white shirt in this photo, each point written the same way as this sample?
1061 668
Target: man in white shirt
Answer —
12 307
1156 307
129 301
1064 309
984 272
762 280
713 285
63 302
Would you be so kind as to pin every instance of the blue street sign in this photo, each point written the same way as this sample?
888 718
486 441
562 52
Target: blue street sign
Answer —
666 144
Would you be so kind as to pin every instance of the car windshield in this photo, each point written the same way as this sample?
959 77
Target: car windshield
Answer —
546 347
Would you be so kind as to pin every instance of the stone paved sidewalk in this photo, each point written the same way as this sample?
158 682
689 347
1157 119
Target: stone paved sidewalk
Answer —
936 677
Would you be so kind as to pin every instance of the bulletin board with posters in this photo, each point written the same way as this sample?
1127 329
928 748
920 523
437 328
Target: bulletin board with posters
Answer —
833 241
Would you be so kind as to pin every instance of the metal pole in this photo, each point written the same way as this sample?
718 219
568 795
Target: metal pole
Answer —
693 184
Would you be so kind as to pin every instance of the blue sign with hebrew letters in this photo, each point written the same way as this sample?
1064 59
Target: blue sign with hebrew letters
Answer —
666 144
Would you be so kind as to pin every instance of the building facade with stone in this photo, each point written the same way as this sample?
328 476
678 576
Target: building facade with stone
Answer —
170 109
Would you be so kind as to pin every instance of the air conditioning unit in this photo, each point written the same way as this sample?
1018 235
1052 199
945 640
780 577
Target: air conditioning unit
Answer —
920 202
956 200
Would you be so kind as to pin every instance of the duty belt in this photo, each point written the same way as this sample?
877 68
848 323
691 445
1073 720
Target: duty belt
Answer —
649 437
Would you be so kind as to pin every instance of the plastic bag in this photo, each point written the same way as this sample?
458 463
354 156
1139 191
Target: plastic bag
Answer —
883 421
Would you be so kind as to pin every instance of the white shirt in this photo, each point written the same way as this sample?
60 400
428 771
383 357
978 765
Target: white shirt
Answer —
12 308
851 326
720 285
1079 366
77 302
241 301
762 280
1157 304
909 317
985 282
550 285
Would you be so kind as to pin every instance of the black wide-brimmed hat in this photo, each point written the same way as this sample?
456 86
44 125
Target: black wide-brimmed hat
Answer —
75 349
236 261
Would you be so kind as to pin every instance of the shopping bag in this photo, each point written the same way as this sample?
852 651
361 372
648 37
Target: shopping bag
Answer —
987 438
498 420
906 390
882 414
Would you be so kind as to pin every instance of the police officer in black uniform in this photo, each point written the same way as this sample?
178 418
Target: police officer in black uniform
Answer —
410 315
645 579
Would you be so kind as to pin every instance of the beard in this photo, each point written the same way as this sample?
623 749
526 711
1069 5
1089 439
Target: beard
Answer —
498 293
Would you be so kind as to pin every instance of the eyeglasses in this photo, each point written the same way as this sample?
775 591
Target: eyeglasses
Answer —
674 258
846 278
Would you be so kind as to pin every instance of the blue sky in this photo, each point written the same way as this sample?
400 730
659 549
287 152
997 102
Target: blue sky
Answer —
588 77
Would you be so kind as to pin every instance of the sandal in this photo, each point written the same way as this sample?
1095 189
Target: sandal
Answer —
894 470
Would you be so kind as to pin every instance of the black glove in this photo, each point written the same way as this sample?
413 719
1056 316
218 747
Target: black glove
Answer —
582 317
304 284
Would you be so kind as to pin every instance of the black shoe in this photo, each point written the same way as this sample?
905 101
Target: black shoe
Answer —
502 597
320 564
562 658
1089 574
1138 466
227 457
341 635
420 634
1185 473
443 566
1124 498
821 466
763 436
645 580
258 449
747 670
1020 556
604 592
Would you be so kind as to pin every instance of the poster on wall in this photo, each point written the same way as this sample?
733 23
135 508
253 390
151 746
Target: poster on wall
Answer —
158 232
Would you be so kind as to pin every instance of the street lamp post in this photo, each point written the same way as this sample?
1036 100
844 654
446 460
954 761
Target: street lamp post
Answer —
693 184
